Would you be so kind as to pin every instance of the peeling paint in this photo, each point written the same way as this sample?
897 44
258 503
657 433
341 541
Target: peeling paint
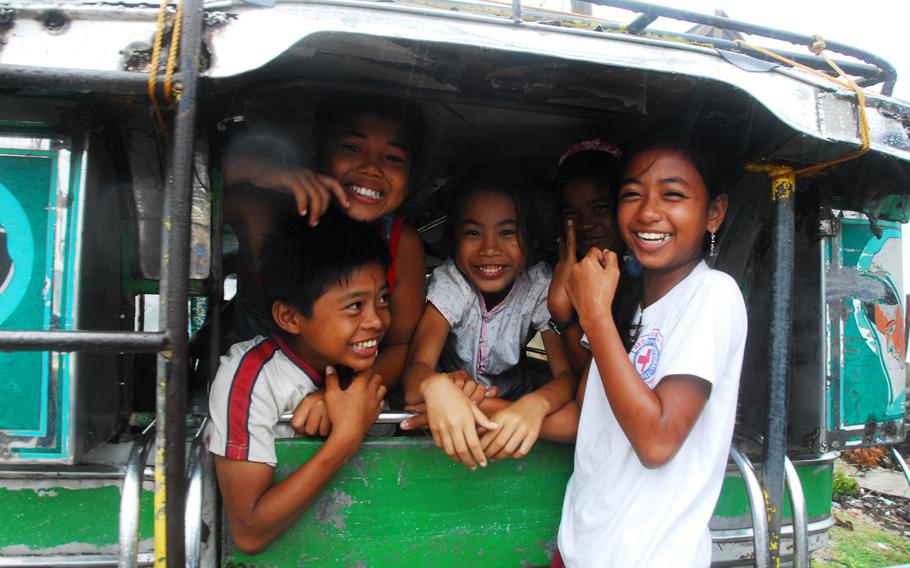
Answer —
46 493
329 507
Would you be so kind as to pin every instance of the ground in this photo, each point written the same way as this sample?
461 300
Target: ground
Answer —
872 516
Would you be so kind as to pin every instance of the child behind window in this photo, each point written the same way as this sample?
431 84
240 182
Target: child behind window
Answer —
329 306
484 305
365 148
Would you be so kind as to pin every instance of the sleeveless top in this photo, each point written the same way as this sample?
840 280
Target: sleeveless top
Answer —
251 318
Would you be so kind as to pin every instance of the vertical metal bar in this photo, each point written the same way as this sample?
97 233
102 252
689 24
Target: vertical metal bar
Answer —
194 498
783 184
516 11
131 498
217 276
800 517
900 462
170 440
756 505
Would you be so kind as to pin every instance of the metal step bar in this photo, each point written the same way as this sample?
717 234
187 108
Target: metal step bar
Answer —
760 534
798 510
131 499
194 481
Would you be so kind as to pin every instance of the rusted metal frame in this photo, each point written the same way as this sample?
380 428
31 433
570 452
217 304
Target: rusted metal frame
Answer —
775 441
85 341
170 441
889 74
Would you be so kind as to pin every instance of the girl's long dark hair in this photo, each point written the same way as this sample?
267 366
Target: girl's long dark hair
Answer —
631 287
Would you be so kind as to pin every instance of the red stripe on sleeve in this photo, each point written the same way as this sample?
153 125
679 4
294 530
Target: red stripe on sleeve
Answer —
241 397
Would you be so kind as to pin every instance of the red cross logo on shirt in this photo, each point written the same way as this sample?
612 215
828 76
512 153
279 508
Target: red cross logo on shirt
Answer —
644 358
645 354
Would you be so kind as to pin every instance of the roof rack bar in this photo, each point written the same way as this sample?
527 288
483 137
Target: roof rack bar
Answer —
87 341
871 74
888 71
640 23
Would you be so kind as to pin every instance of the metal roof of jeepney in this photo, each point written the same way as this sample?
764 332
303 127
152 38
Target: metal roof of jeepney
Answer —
245 36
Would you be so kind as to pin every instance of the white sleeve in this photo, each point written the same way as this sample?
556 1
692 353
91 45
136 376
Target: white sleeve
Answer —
541 314
448 294
242 422
216 433
707 333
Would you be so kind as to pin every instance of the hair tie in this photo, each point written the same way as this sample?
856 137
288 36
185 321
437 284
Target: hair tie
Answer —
596 145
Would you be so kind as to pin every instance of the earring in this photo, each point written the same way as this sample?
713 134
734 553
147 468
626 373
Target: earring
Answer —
713 252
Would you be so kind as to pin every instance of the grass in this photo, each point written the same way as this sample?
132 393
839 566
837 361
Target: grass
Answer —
866 546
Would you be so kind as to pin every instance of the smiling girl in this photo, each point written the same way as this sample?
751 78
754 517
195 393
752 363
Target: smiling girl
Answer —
364 150
484 304
659 402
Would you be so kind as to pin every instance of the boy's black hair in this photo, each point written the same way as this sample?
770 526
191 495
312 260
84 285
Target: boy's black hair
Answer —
299 263
505 181
336 110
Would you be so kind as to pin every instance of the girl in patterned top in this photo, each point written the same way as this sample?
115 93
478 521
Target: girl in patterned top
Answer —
484 304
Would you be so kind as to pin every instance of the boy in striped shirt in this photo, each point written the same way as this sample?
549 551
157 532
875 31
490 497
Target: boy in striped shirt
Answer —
328 294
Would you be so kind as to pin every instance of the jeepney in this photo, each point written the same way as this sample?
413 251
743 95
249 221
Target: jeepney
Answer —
114 117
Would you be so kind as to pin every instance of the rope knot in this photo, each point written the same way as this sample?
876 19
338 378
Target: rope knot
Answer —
819 45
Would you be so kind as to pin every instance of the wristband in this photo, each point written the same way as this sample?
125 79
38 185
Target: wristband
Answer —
560 328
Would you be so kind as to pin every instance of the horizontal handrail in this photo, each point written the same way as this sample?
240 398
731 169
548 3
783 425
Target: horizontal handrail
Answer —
116 82
384 418
90 341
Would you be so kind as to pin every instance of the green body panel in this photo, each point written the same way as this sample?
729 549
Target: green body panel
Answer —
27 188
81 516
403 502
815 478
872 333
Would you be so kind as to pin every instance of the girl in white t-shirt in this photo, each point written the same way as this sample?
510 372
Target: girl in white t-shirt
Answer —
659 402
484 304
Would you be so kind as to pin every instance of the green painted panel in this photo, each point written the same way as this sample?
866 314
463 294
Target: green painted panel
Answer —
402 502
874 343
56 516
26 187
816 481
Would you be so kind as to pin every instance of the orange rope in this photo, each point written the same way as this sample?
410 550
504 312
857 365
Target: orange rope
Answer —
153 66
843 80
169 91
